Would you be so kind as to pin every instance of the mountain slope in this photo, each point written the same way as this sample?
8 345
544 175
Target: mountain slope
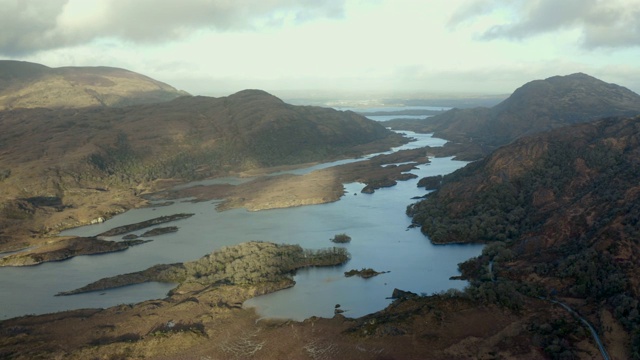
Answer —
562 209
64 167
29 85
539 105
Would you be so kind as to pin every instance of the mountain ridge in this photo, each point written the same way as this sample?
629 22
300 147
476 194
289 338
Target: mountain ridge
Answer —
27 85
536 106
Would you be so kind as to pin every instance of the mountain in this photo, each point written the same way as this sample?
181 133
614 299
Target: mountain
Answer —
561 212
64 167
29 85
536 106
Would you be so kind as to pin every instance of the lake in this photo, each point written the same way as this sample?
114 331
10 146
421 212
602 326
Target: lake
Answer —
395 112
376 223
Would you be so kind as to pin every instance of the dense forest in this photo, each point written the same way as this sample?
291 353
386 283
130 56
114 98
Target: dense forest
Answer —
563 205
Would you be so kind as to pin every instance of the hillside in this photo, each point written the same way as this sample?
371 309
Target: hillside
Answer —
561 210
539 105
30 85
66 167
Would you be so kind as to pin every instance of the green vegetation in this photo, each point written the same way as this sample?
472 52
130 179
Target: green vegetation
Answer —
341 238
242 264
505 210
556 337
247 130
364 273
255 262
567 211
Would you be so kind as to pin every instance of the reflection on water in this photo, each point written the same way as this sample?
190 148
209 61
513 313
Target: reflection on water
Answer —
377 224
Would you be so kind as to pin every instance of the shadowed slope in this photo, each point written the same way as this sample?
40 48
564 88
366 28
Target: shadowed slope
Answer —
560 210
539 105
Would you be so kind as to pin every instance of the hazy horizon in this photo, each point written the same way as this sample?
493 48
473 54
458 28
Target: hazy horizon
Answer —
344 46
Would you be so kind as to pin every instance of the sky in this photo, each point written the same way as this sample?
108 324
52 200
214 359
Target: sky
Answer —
417 47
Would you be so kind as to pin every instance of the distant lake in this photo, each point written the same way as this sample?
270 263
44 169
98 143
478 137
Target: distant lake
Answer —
377 224
393 108
399 116
401 112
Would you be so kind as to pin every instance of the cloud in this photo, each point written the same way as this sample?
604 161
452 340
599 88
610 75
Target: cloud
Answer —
470 11
30 26
603 24
27 24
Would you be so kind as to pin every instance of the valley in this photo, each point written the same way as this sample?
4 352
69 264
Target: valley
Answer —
552 198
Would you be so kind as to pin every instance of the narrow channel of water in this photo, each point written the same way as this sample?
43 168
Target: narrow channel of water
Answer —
377 224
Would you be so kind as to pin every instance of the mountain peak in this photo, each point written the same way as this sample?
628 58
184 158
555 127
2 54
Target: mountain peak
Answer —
579 94
536 106
578 75
253 95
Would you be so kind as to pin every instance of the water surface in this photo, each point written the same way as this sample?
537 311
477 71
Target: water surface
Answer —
377 224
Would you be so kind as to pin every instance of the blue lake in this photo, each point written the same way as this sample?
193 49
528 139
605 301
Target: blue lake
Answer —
377 224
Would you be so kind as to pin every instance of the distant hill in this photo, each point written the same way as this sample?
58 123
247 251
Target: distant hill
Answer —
536 106
87 158
201 136
562 210
29 85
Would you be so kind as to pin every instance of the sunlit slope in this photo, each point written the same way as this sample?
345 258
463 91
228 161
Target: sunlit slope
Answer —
92 161
30 85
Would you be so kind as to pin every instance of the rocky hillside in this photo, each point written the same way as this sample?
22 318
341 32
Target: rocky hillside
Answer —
63 167
29 85
562 211
539 105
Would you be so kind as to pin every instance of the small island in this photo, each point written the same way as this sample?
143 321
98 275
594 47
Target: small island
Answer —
363 273
160 231
120 230
247 263
341 238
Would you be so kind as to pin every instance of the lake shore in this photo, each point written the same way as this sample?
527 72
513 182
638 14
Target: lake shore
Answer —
262 193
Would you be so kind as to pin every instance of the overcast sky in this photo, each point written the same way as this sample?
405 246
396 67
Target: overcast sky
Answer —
216 47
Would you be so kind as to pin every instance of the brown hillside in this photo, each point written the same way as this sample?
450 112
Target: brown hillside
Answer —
29 85
539 105
65 167
561 209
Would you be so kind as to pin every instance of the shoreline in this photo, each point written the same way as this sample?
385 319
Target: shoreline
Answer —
262 193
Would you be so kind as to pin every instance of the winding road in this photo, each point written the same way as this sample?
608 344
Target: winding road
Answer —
594 334
603 351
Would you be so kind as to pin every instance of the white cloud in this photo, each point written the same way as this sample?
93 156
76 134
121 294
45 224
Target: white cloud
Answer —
217 47
602 24
29 26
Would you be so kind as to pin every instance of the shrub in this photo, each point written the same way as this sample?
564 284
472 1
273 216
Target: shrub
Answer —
341 238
